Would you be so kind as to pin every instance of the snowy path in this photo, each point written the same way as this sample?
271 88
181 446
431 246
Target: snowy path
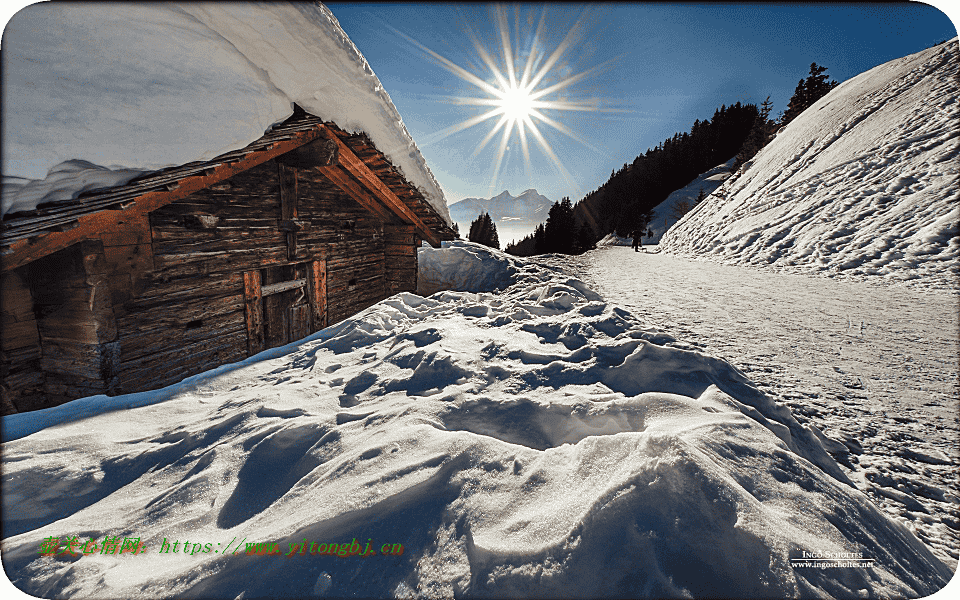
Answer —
872 366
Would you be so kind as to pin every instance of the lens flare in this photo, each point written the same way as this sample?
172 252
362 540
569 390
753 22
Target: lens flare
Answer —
518 96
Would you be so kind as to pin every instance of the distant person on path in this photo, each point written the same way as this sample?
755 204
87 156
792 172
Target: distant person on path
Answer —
637 244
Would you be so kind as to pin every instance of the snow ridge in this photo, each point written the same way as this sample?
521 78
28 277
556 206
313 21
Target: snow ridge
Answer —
861 185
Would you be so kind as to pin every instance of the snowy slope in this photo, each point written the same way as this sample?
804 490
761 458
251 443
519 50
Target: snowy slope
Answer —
862 184
532 441
149 85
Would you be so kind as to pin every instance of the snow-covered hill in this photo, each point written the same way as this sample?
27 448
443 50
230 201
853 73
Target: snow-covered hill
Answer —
862 184
518 441
87 86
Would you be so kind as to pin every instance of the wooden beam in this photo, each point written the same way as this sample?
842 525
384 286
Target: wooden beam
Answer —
288 204
380 191
321 152
341 178
252 298
317 276
283 286
92 225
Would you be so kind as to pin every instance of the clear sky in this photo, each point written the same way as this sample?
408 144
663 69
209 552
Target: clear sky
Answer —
648 71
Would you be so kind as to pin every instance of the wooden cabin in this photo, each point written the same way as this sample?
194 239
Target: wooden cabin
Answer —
176 272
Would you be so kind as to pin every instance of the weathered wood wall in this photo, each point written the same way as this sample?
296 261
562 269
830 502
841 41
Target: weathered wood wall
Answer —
190 313
75 320
22 387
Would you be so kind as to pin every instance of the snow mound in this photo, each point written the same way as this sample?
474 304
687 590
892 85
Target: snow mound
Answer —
151 85
612 239
533 441
862 184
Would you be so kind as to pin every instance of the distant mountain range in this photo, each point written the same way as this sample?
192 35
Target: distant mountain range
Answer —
526 210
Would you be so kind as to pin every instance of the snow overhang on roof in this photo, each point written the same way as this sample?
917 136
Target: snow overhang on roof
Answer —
373 182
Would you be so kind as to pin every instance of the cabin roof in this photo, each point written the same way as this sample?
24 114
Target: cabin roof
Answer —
364 173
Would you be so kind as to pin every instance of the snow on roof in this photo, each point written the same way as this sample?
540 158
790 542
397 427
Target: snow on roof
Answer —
152 85
862 184
530 441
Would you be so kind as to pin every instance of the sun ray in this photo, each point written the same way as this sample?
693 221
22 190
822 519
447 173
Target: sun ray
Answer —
445 133
500 152
519 96
563 129
489 136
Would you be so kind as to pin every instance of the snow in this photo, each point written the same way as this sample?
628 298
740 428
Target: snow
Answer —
150 85
862 185
526 440
871 367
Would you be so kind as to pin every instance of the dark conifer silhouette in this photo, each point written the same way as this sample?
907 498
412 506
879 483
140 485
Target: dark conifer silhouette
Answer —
809 90
484 231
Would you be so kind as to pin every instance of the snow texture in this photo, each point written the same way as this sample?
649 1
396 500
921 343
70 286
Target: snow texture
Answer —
863 184
535 441
89 86
872 367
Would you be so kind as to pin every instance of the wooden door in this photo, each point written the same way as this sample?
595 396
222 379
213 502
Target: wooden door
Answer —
284 304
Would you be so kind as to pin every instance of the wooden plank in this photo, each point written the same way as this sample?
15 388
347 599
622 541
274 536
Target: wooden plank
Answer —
254 311
399 250
140 343
371 181
300 322
21 334
318 153
133 230
25 251
288 203
318 293
283 286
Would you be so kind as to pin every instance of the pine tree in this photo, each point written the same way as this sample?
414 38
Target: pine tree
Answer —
484 231
759 135
560 229
700 197
809 90
584 240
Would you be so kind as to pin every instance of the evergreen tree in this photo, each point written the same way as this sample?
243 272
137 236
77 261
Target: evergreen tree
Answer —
809 90
560 229
584 240
484 231
759 135
456 230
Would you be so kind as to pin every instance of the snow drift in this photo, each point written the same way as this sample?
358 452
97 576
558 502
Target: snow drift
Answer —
535 441
862 184
151 85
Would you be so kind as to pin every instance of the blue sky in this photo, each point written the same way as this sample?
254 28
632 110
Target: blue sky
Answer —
651 70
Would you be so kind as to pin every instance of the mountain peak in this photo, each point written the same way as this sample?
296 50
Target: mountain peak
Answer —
529 192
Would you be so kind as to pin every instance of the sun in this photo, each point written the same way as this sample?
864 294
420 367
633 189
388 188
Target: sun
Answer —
518 95
516 103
